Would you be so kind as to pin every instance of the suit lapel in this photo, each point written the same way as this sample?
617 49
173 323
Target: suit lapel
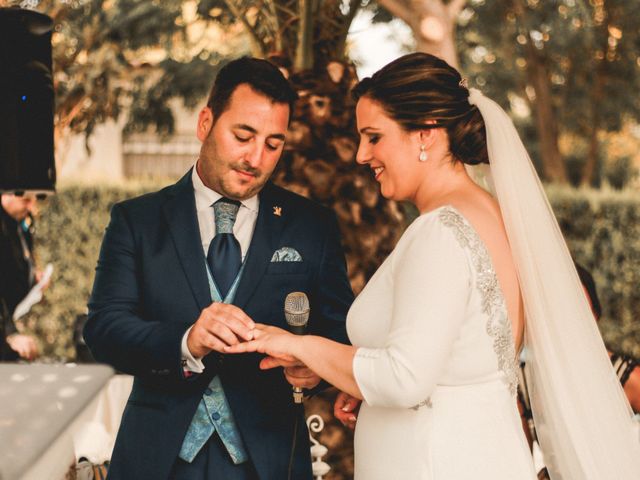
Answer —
180 214
264 242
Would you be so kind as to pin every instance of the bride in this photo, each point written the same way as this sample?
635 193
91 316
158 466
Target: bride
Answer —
437 330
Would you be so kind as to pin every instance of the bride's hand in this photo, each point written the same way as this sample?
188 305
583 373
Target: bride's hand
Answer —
345 409
276 343
270 340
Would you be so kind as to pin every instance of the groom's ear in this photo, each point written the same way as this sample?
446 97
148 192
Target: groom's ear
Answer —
205 123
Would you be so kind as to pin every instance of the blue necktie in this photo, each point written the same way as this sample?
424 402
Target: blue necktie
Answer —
224 256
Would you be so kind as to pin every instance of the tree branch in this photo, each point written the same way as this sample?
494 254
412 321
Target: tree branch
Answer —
65 120
235 11
304 49
455 7
277 33
398 9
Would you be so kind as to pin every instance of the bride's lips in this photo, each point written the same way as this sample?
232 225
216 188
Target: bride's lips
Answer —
377 171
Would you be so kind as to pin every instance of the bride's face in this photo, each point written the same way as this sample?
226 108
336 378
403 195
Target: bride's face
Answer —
390 152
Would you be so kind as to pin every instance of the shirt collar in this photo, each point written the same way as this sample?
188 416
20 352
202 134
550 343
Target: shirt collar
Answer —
206 197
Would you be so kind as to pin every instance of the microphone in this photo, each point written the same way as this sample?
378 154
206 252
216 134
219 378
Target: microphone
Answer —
296 312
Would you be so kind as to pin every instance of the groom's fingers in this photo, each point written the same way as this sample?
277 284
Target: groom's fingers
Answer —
299 371
238 322
217 326
214 343
302 377
243 347
273 362
228 310
239 329
227 324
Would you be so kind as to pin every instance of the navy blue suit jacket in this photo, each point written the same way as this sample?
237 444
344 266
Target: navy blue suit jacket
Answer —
151 285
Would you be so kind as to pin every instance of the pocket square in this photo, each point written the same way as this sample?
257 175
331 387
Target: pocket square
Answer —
286 254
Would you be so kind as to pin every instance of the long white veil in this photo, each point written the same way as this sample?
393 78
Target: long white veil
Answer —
583 419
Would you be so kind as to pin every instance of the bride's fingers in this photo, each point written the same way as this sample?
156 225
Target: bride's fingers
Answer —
258 333
269 329
243 347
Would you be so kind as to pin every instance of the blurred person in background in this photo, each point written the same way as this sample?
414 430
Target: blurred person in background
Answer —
18 272
626 366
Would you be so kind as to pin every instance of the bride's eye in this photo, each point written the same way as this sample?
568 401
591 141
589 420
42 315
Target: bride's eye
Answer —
373 139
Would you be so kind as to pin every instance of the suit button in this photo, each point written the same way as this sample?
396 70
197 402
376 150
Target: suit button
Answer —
208 391
215 416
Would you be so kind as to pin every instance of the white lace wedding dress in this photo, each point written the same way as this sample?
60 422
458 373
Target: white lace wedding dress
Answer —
437 362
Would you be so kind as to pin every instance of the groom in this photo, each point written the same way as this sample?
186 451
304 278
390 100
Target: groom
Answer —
186 270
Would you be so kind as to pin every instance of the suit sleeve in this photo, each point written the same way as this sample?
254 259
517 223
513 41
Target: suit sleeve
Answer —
333 295
431 286
116 332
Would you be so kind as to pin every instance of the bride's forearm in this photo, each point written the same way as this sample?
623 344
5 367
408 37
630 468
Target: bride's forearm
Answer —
330 360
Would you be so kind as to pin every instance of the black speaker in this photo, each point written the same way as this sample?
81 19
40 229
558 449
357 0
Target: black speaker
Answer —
26 102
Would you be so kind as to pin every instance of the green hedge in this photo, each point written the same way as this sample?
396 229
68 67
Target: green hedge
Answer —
601 227
68 234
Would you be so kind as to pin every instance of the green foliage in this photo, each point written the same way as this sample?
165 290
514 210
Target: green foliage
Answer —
130 56
588 53
602 229
308 33
190 81
68 235
133 57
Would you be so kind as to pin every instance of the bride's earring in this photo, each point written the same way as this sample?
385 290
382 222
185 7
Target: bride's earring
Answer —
423 153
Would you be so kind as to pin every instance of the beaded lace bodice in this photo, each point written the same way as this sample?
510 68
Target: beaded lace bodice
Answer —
493 303
433 316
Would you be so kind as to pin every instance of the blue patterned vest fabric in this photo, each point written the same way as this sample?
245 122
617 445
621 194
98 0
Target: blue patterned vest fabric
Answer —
213 413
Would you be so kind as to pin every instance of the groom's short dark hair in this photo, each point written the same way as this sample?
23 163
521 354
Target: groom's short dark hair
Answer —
262 76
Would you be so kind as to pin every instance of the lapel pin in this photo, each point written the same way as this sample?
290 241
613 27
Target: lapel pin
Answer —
277 211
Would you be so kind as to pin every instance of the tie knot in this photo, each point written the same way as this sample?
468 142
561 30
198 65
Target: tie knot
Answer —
225 211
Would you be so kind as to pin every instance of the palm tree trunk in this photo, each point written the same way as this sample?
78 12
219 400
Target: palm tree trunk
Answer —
304 49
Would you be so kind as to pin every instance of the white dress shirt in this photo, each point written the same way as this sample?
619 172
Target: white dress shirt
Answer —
242 229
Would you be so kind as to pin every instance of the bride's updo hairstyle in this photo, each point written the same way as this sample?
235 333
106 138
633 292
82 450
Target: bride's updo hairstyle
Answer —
418 89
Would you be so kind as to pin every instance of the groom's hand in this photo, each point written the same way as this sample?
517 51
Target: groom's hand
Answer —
296 373
301 376
219 325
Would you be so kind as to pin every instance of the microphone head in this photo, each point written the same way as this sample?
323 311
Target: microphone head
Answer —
296 309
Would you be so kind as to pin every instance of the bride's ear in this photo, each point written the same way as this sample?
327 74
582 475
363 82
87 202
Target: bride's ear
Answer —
427 136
